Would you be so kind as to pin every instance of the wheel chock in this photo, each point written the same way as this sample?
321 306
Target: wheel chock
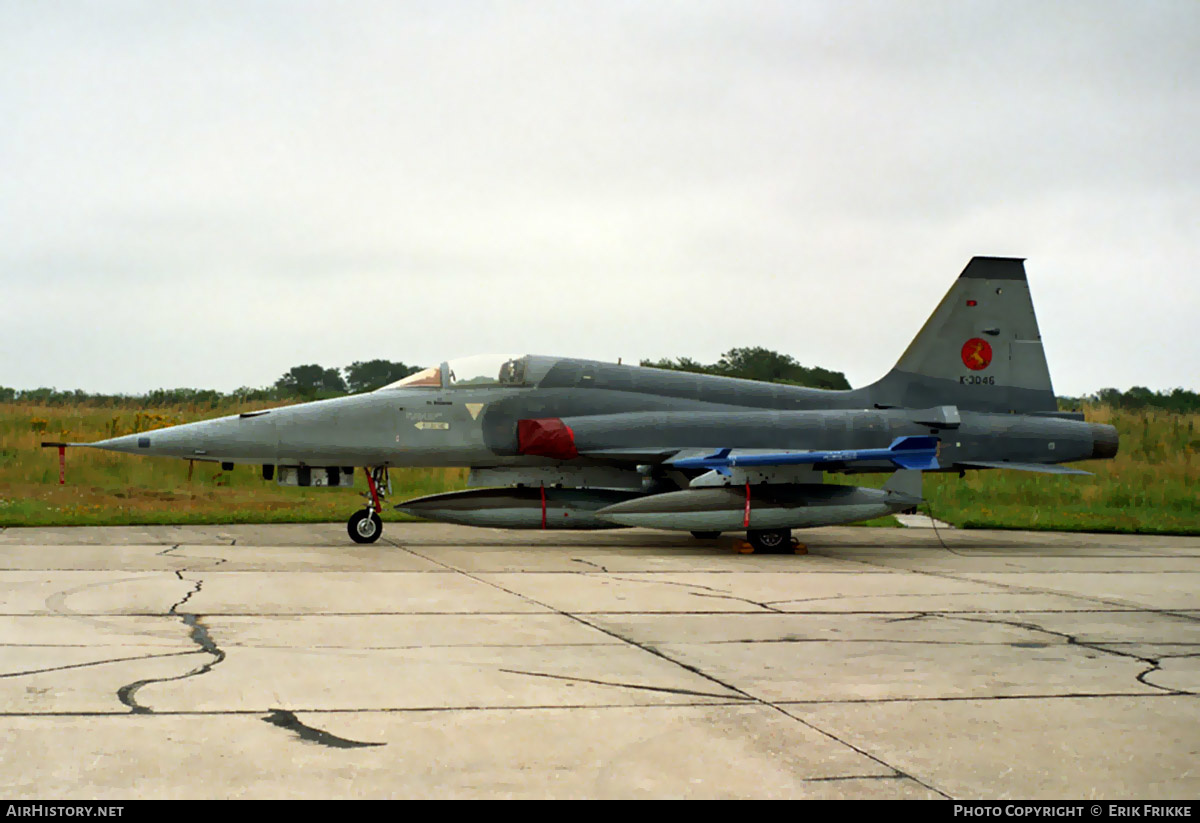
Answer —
744 547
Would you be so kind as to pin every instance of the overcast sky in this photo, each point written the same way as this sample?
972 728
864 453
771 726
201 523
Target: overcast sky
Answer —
205 194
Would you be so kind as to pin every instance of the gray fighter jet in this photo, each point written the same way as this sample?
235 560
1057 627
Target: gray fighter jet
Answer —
559 443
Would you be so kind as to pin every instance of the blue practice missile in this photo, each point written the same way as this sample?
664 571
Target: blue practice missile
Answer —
911 452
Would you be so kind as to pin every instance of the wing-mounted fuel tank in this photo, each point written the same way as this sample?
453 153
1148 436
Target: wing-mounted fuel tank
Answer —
534 497
766 506
520 507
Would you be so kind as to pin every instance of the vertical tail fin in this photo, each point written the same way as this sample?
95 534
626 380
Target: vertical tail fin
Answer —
980 349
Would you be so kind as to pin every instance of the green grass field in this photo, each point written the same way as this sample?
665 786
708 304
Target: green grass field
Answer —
107 488
1151 487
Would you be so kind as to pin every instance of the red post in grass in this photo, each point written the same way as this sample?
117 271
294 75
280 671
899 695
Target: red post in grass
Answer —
62 465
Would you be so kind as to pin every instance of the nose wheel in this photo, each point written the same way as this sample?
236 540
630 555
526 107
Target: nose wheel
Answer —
365 525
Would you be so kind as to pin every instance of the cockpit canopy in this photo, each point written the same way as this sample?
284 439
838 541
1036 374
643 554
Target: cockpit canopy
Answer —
481 370
431 377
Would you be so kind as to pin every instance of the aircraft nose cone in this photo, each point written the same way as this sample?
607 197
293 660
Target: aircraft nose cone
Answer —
125 443
174 441
1104 441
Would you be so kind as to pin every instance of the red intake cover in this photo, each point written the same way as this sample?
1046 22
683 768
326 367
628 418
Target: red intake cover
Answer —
547 437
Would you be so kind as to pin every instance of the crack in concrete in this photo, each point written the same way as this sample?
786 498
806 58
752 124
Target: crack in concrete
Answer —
674 583
979 698
925 595
666 689
216 561
57 603
739 600
708 591
1072 640
1153 663
917 616
199 635
589 563
186 597
95 663
961 577
285 719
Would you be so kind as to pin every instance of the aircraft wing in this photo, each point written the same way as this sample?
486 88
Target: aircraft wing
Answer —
1042 468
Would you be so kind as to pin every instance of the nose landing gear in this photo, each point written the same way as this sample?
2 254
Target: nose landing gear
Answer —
365 525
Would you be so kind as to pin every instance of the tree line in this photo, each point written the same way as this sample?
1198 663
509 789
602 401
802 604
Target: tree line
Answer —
307 382
312 381
757 363
1180 401
359 376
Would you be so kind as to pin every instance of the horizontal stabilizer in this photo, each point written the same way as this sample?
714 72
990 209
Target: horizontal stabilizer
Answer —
1043 468
913 452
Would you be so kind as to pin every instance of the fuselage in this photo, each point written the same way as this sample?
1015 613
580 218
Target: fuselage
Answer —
608 408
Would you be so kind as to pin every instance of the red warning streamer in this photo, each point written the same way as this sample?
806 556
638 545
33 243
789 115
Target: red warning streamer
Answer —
746 517
371 486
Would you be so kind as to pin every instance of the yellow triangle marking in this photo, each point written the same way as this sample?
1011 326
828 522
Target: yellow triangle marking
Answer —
474 409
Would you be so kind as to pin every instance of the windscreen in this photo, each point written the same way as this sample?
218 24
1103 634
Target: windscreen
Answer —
487 370
431 377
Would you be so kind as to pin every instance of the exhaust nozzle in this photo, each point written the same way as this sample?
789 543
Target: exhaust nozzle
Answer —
1104 441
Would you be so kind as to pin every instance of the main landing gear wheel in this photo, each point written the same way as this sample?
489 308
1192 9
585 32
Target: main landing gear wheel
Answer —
706 535
364 526
770 541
